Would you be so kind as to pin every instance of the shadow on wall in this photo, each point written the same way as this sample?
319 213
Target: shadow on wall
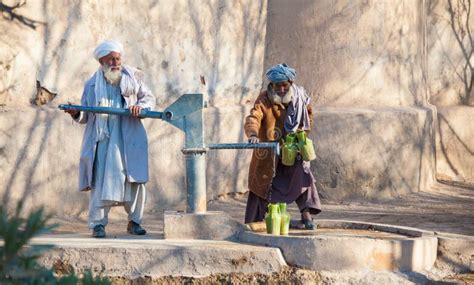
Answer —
46 128
452 40
216 39
9 13
220 127
454 150
37 147
452 85
360 157
6 80
460 16
378 67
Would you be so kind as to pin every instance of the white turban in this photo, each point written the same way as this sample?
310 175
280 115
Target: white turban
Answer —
107 47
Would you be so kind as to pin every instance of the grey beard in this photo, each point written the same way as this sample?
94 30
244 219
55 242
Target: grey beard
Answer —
281 100
112 76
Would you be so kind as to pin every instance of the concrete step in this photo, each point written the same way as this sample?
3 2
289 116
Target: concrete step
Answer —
130 256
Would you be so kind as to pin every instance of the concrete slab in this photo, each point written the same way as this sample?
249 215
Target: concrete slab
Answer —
212 225
132 257
347 245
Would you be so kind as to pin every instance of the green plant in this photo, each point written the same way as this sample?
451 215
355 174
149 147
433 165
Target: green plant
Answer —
19 259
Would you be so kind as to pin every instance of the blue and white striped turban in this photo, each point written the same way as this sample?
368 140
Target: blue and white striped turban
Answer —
107 47
280 72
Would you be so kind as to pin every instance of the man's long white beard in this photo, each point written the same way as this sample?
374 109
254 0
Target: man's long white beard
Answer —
112 76
276 99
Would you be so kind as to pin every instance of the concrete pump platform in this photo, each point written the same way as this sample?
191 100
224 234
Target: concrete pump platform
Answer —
334 246
131 257
347 245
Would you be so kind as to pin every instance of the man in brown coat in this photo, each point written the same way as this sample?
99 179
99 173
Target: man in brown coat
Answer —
281 109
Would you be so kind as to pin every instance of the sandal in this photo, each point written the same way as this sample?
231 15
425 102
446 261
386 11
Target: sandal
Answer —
309 224
98 231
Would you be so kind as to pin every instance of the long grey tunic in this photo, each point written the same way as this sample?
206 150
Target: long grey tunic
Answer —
135 141
109 166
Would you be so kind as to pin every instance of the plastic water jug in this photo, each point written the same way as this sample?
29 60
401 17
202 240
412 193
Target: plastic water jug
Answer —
273 219
305 146
289 150
285 219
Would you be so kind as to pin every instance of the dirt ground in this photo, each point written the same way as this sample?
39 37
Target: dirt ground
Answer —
445 209
299 276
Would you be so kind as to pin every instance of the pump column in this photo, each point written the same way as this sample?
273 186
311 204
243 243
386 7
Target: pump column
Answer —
195 159
195 180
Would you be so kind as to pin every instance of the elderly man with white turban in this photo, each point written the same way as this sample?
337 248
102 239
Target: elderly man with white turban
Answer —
114 156
281 109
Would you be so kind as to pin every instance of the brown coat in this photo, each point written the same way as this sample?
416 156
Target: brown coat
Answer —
266 121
